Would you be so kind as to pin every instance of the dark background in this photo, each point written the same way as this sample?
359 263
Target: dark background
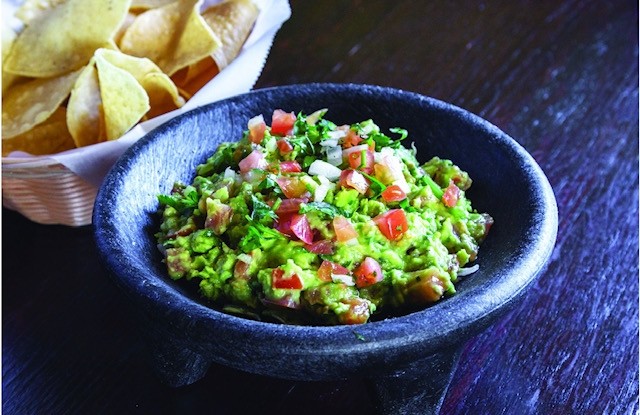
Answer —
559 77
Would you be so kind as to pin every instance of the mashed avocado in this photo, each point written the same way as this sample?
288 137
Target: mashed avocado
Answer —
307 222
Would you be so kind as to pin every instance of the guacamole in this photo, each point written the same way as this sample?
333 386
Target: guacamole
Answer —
303 221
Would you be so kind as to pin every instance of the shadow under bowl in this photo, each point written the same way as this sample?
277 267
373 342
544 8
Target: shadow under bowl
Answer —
185 335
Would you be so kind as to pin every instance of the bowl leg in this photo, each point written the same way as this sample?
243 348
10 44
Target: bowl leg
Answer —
418 388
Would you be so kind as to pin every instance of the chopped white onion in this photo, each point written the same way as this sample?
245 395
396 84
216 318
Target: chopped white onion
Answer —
255 121
330 142
337 134
334 156
229 173
322 168
466 271
345 279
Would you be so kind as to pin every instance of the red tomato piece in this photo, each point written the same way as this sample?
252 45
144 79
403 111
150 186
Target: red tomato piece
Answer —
344 229
282 122
300 227
290 167
355 180
287 282
255 160
451 195
368 273
283 224
393 193
351 139
291 186
257 127
327 268
322 247
392 223
288 206
284 147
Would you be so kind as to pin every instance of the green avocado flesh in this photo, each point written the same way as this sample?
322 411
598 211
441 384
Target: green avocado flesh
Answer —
307 222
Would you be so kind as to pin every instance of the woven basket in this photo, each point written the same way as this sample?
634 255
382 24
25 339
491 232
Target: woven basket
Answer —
47 192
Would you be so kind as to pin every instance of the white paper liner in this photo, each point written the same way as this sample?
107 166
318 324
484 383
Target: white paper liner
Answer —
92 163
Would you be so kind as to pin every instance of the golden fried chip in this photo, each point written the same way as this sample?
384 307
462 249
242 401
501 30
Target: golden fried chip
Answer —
173 36
124 101
232 21
8 36
64 37
49 137
85 117
163 93
27 104
138 5
31 9
191 79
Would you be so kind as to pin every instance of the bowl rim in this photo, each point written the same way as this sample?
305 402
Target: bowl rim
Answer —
376 336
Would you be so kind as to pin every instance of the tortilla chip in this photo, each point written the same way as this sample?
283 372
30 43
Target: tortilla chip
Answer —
62 38
232 21
191 79
124 101
48 137
173 36
30 103
85 116
163 93
8 37
138 5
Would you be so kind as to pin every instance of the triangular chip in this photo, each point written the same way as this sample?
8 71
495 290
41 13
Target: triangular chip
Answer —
31 9
191 79
232 21
138 5
85 117
49 137
64 37
162 92
8 37
124 101
28 104
173 36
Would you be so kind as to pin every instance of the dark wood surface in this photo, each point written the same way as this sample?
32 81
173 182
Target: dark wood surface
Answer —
559 77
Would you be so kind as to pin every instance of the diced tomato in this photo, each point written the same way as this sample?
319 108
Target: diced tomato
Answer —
283 224
287 282
291 186
355 180
288 206
392 223
282 122
240 270
301 228
321 247
351 139
344 229
327 268
257 126
284 147
393 193
290 167
368 273
358 312
451 195
219 218
255 160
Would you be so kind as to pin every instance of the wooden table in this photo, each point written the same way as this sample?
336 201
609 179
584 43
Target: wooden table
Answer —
559 77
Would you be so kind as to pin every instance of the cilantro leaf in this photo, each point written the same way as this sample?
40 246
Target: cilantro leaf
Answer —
261 210
188 198
326 209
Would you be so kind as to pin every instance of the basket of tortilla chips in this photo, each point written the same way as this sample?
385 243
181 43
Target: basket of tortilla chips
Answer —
83 79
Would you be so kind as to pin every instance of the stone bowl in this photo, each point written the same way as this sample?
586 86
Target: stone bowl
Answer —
408 359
